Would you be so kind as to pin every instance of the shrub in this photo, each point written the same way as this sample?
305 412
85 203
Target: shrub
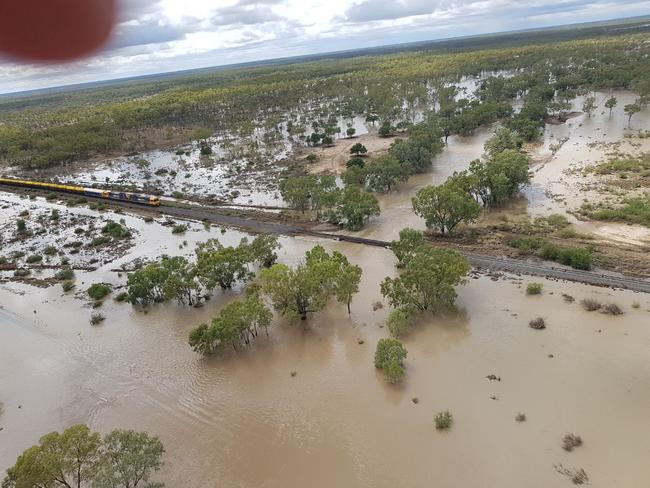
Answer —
398 322
612 309
22 272
178 195
34 258
24 213
67 285
64 274
520 417
179 229
537 324
3 260
100 241
115 230
571 441
98 291
21 226
443 420
591 305
50 251
122 297
148 219
389 356
55 214
534 289
96 318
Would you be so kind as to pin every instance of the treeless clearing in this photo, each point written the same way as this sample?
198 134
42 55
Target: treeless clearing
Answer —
332 159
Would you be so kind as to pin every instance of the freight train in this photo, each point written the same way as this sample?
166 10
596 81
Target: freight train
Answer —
89 192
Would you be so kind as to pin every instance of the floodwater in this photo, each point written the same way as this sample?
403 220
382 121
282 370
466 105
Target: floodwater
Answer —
242 420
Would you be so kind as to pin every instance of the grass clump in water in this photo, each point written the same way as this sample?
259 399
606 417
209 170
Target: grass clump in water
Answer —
443 420
99 291
534 289
571 441
591 305
538 324
96 319
612 309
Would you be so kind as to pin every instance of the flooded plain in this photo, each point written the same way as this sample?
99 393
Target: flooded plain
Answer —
243 420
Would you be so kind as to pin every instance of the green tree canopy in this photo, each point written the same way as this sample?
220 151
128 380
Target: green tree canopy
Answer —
428 280
445 206
389 357
80 458
306 288
502 140
410 240
358 149
237 324
356 206
383 173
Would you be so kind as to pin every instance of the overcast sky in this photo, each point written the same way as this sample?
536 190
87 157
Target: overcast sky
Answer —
169 35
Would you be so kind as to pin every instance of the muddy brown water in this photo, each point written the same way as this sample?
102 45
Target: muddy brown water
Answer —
243 420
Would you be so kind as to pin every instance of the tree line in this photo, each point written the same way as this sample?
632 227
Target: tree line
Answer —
80 458
178 279
389 89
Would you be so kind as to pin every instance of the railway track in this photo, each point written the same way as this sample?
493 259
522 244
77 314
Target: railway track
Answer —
484 262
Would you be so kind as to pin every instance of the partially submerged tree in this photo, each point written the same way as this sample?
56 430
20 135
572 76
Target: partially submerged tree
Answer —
389 357
445 206
502 140
237 324
296 292
80 458
589 105
383 173
410 240
428 280
356 206
610 104
631 110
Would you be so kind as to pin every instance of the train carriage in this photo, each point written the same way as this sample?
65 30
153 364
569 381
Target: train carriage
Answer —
141 199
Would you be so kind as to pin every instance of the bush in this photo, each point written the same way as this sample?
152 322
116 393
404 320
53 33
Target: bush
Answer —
179 229
34 258
21 226
122 297
50 251
115 230
100 241
591 305
64 274
520 417
612 309
178 195
96 318
534 289
398 322
98 291
389 356
443 420
22 272
3 260
67 285
538 324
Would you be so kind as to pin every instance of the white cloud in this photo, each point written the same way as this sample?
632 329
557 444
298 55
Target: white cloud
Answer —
168 35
